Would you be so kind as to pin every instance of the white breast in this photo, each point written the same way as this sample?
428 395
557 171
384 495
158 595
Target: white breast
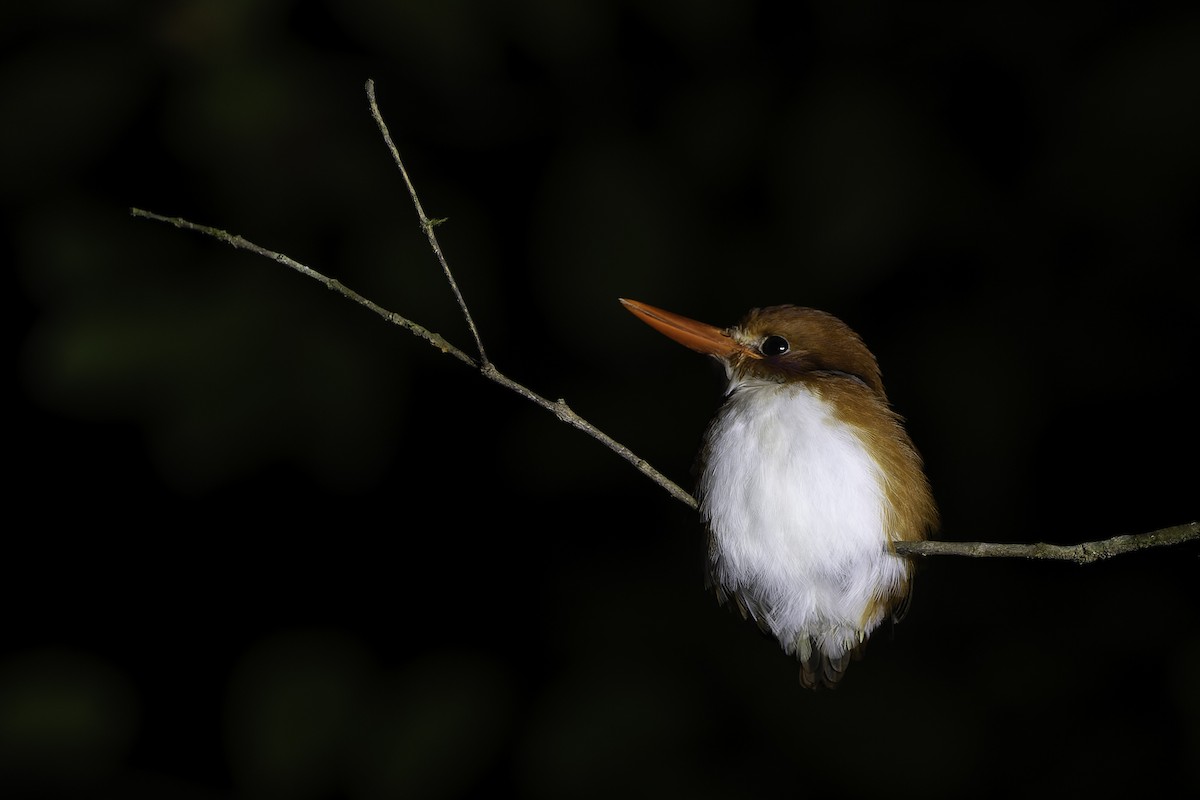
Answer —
795 505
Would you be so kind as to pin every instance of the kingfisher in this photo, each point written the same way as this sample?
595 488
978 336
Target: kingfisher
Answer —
807 478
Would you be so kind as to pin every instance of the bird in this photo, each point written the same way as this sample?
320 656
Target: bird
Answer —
807 477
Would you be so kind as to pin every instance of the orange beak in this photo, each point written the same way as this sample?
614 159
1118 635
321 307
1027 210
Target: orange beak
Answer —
698 336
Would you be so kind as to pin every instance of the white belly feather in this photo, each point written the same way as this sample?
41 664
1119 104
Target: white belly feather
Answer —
795 506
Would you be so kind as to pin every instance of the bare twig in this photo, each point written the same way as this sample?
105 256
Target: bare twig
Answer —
427 224
1085 553
237 242
557 407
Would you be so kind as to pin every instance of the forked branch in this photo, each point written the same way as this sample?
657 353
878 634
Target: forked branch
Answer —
1085 553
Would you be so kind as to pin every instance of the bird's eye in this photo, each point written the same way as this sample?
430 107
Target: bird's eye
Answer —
774 346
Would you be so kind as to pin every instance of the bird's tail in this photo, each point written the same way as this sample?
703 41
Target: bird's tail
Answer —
819 670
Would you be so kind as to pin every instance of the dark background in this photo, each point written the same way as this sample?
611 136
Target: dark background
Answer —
263 544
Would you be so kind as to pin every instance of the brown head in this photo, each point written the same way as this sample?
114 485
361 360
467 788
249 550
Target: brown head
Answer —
778 343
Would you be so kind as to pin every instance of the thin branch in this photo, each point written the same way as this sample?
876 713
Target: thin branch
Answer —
557 407
564 412
1085 553
427 224
237 242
